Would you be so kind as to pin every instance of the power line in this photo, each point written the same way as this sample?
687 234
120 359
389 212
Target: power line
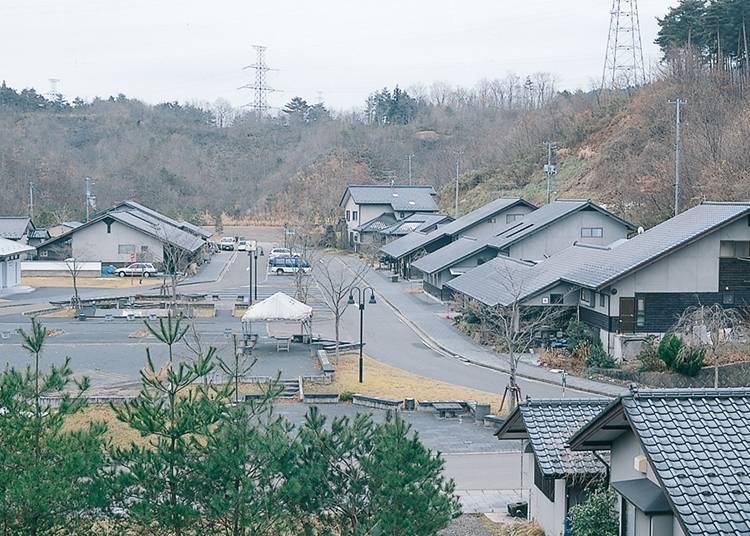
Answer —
260 87
623 60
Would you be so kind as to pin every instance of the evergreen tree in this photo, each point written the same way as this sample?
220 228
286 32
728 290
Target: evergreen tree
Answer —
155 483
50 479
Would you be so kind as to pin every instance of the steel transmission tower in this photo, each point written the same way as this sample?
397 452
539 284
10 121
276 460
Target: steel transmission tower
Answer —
623 62
260 87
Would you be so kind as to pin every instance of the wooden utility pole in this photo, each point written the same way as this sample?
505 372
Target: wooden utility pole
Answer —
678 105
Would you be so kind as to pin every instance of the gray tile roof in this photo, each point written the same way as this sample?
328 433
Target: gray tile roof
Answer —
451 254
548 424
383 221
13 228
419 222
11 247
496 282
399 197
696 441
157 229
398 249
185 226
531 224
597 267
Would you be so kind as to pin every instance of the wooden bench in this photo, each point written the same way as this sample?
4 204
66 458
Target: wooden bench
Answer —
283 344
448 409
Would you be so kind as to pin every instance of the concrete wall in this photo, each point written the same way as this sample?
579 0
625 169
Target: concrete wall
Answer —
492 226
564 232
60 268
93 243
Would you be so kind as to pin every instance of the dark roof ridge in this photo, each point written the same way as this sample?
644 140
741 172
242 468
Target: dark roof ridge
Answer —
389 186
573 200
704 392
725 202
565 401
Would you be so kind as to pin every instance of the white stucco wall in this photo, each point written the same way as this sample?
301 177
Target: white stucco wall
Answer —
562 233
93 243
10 273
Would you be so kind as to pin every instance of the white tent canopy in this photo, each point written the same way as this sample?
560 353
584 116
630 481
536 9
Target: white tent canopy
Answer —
278 307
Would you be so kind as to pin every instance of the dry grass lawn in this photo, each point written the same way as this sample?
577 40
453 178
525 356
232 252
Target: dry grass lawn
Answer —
119 433
391 382
90 282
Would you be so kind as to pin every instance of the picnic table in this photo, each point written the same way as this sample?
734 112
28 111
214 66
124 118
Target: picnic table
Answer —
448 409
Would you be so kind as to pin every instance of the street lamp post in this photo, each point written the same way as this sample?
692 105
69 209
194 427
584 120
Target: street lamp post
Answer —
361 300
255 256
250 278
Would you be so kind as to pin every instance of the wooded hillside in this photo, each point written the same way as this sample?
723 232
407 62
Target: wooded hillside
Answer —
197 162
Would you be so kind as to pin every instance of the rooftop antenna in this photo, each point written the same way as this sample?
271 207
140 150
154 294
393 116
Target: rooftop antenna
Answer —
260 87
549 169
623 60
90 200
53 88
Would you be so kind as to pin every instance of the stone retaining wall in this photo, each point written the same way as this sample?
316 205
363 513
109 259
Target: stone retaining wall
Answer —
731 375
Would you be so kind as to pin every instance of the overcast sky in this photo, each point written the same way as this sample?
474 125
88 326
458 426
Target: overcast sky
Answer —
194 50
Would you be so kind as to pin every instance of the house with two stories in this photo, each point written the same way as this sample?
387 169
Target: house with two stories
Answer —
556 478
633 288
534 238
368 209
480 223
129 232
678 460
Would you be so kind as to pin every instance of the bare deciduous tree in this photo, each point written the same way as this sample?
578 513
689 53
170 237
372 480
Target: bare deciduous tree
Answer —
713 327
75 266
336 281
512 329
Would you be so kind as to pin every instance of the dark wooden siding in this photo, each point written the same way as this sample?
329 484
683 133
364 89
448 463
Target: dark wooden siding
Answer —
734 274
597 320
432 289
663 309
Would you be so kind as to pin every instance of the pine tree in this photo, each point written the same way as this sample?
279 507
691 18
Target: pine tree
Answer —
155 483
50 478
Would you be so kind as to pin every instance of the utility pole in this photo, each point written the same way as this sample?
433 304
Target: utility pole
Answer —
88 196
678 105
410 157
549 169
31 199
458 162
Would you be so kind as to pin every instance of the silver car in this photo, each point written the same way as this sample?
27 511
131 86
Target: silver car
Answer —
138 269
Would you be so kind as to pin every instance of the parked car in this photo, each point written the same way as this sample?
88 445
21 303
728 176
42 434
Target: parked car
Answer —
242 245
138 269
288 265
227 243
278 252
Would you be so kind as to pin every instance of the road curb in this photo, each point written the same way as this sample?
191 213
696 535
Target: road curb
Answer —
450 353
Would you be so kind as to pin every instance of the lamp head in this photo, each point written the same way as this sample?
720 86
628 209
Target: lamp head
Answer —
372 299
350 301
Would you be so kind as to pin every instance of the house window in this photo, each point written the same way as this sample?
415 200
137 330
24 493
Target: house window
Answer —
555 299
586 296
544 484
125 249
640 312
144 249
601 300
354 215
510 218
592 232
348 216
727 298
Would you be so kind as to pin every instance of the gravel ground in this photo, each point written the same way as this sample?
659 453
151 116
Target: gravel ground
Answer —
470 525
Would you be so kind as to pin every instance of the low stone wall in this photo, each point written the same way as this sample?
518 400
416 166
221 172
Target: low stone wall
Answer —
731 375
376 402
